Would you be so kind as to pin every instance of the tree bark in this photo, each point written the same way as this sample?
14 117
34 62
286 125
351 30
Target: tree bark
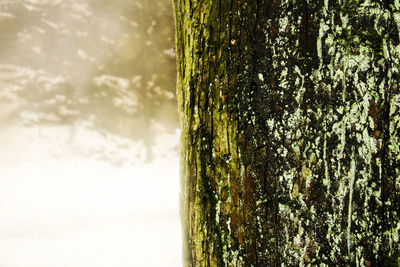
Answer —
290 120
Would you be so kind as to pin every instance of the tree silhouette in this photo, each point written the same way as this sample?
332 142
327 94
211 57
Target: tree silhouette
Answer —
109 63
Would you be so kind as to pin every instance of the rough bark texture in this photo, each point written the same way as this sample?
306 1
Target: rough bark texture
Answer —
290 115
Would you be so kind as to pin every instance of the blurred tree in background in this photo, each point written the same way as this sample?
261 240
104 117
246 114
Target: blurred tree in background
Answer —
106 65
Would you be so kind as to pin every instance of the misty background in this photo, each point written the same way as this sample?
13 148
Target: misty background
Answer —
88 134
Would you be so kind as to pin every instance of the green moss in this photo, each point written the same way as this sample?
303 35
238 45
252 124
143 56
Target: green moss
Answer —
392 261
352 38
292 134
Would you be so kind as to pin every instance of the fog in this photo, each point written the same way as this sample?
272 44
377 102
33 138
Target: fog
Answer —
89 172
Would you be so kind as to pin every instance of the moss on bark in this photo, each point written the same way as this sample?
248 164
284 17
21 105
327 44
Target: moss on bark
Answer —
290 131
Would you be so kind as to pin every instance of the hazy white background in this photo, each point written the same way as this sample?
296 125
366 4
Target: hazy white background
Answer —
61 208
88 134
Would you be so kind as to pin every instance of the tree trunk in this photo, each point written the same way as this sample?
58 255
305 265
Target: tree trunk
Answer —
290 117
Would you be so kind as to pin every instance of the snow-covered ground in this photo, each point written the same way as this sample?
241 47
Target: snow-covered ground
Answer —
62 207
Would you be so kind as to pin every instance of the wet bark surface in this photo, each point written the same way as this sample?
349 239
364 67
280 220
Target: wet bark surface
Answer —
290 132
